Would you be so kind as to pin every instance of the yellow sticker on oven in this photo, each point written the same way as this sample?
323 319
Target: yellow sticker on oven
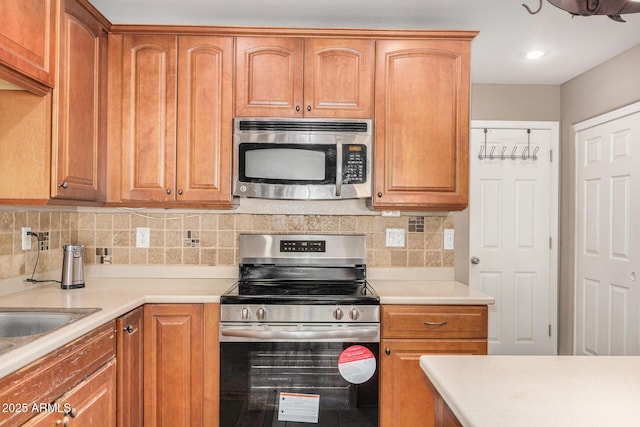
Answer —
356 364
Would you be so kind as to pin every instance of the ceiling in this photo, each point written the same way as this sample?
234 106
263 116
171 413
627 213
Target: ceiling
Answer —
507 30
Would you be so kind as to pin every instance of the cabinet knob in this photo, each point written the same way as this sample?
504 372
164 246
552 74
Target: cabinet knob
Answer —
387 351
128 329
475 260
168 191
64 185
297 108
308 107
380 194
180 191
71 412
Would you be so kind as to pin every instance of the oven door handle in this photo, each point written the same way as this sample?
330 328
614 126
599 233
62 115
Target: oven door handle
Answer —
307 334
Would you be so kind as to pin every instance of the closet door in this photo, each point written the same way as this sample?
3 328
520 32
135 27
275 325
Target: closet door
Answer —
608 234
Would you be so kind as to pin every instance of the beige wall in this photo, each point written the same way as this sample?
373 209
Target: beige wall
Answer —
611 85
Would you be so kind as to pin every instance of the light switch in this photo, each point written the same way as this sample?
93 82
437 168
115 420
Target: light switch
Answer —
448 239
142 237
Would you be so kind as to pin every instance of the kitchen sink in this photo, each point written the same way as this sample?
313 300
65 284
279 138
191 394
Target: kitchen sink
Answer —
21 325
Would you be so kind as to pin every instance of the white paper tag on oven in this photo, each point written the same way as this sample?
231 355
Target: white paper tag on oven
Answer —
357 364
301 408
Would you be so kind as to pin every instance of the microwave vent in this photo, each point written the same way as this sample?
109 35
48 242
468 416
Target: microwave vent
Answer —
309 126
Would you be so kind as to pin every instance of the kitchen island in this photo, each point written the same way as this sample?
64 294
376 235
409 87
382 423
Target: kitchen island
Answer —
538 390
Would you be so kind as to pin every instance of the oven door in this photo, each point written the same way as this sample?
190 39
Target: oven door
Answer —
273 381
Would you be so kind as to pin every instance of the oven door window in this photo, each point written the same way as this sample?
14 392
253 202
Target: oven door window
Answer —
301 164
253 376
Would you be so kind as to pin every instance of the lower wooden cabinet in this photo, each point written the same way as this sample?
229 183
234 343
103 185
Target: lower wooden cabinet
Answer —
90 403
180 365
130 353
78 378
409 332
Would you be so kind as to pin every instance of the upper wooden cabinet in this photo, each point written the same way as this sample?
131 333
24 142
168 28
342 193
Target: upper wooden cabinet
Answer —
296 77
422 124
79 108
171 131
28 36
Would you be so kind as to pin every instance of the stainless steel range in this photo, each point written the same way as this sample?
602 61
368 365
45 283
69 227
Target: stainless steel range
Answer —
300 329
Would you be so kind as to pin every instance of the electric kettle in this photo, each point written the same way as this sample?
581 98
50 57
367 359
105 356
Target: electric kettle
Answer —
72 267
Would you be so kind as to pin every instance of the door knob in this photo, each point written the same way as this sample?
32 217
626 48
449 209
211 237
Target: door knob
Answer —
475 260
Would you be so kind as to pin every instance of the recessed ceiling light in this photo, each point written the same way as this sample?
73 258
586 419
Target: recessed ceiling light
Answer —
535 54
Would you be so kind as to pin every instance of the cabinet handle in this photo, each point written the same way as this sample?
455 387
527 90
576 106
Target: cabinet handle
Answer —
387 351
64 185
297 108
308 107
180 192
71 412
168 191
128 329
380 194
435 323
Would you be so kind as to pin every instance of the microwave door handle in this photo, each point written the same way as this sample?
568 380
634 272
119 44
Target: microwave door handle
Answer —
338 166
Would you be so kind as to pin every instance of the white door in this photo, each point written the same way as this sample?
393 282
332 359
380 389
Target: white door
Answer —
513 232
607 234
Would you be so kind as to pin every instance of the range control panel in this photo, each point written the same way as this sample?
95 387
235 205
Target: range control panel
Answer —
303 246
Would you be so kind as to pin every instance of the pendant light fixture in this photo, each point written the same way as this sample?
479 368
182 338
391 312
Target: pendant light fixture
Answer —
612 8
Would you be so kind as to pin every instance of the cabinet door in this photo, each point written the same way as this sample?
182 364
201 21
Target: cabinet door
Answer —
173 374
338 78
79 130
148 117
405 399
130 359
205 67
422 124
269 77
91 403
28 36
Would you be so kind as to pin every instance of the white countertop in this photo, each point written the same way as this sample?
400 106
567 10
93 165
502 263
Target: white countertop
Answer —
114 296
117 290
432 292
524 391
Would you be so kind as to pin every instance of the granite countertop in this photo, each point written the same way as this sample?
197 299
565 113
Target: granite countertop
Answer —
538 390
118 290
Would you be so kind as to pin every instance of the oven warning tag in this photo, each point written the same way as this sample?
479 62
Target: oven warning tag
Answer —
301 408
356 364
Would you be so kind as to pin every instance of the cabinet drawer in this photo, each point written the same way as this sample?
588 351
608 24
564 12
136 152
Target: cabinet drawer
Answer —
429 321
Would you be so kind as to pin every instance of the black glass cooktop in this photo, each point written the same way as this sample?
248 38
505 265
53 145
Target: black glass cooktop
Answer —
300 293
270 284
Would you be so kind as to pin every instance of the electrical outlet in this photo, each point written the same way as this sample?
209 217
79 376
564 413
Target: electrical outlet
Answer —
26 239
395 237
142 237
448 239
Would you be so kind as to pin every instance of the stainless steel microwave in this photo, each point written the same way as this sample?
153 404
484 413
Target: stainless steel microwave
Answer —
302 158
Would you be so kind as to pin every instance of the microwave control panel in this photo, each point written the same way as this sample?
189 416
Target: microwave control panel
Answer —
354 164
